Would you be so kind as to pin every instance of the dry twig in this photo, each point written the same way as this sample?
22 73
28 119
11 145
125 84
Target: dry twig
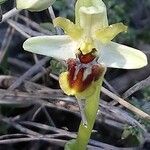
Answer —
140 85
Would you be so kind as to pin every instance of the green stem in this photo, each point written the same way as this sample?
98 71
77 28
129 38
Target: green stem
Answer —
84 133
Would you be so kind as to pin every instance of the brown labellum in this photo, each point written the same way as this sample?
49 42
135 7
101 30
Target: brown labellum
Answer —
83 71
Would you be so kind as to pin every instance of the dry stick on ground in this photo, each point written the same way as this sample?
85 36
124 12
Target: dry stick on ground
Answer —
13 24
120 115
7 136
140 85
126 80
18 126
113 102
33 134
27 74
19 63
40 74
20 27
114 113
126 104
61 143
58 133
6 41
33 98
20 80
52 14
9 14
35 25
22 32
34 69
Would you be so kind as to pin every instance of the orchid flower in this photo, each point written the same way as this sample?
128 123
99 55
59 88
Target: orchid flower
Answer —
87 50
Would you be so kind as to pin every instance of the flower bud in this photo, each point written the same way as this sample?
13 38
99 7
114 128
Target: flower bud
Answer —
34 5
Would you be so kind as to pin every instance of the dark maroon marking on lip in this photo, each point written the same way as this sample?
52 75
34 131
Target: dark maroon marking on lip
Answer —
87 58
96 72
71 69
77 84
76 73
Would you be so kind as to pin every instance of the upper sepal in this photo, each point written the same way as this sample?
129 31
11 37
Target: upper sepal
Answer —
91 7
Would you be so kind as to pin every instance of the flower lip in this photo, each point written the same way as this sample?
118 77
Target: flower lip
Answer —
81 76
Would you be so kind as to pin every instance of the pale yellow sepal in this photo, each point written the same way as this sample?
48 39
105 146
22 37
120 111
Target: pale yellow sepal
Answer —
34 5
116 55
106 34
69 27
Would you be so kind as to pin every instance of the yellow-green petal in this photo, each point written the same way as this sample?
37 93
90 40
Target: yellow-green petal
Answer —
108 33
59 47
69 27
116 55
34 5
99 8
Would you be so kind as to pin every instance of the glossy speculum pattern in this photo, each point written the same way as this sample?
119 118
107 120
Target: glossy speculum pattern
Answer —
83 70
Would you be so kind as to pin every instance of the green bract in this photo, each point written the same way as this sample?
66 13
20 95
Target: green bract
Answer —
34 5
